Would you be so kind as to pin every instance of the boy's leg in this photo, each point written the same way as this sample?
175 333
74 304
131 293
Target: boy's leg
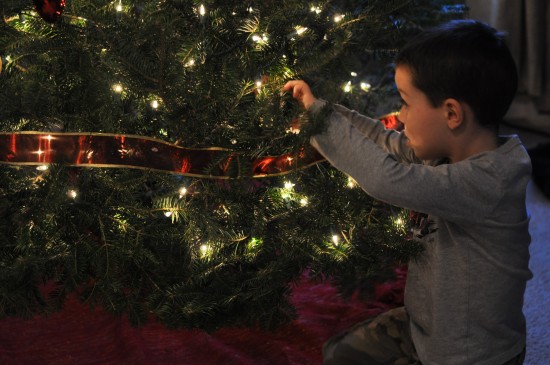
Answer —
385 339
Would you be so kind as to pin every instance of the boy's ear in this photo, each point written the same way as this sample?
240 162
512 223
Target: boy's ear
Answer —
454 113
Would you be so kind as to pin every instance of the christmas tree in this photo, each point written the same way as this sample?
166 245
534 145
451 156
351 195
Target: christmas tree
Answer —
99 98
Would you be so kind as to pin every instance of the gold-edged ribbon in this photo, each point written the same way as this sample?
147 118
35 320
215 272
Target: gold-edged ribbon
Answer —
104 150
128 151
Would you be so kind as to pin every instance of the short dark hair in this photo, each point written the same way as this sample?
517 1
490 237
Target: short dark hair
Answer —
466 60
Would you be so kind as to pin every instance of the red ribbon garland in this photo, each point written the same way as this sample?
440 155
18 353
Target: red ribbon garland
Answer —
114 150
111 150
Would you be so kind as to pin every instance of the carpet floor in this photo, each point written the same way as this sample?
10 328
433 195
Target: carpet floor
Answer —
537 296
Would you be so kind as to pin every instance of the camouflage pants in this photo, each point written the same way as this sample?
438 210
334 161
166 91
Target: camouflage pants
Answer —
385 339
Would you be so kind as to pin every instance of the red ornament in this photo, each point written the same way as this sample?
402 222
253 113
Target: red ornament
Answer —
391 121
49 10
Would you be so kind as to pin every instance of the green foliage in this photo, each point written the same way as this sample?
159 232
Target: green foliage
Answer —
219 252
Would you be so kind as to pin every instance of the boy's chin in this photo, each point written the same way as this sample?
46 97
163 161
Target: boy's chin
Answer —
423 155
417 153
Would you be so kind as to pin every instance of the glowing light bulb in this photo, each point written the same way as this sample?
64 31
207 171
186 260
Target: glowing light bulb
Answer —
347 87
300 30
42 168
315 9
304 202
351 183
72 194
259 86
289 185
338 18
335 239
119 8
190 63
204 249
167 214
117 88
182 191
202 10
354 74
365 86
399 223
154 104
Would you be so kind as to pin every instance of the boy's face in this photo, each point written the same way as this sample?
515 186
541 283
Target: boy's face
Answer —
425 126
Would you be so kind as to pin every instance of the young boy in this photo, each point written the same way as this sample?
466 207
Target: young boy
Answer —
464 294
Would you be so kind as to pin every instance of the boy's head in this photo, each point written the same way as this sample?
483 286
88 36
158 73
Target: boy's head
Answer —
465 60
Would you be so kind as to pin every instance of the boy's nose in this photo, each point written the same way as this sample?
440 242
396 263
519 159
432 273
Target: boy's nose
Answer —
401 116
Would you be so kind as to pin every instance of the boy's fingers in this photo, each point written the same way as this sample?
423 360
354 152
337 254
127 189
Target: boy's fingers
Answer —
300 91
290 85
295 87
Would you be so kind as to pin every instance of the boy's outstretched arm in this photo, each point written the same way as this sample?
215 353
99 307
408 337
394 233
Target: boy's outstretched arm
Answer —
301 92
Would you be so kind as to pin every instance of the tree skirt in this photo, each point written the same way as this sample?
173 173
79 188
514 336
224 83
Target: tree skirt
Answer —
80 335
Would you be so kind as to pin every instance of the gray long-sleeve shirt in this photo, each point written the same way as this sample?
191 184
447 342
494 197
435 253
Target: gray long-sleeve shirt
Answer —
465 293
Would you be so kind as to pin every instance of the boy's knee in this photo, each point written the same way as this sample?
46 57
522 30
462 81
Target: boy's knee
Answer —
382 340
337 353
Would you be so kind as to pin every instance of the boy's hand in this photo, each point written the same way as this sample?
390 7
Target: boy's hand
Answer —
300 92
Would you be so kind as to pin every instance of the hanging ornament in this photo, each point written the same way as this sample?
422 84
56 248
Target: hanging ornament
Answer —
49 10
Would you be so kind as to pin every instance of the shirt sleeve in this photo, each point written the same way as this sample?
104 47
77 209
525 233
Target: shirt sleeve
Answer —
382 164
391 141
